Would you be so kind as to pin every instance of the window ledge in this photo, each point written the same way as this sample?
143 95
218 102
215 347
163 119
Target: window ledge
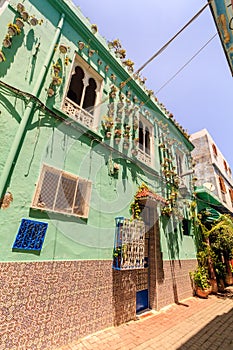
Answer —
55 214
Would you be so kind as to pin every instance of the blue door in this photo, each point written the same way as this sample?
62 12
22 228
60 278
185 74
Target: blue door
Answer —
142 300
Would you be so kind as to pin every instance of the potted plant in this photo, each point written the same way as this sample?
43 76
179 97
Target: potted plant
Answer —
63 48
94 28
50 92
20 7
56 80
13 29
25 15
7 41
56 68
201 282
34 21
19 22
81 45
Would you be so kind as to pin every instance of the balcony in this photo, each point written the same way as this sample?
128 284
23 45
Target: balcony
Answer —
144 157
78 114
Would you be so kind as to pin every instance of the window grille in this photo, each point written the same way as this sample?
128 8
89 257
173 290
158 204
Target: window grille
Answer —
129 246
62 192
30 235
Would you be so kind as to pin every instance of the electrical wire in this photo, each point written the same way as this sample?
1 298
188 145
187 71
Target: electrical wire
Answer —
185 65
173 38
131 77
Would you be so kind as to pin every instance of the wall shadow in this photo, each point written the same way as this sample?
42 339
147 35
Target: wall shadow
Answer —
218 331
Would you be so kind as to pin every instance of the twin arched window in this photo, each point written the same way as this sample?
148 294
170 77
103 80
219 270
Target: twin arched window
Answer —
144 138
82 90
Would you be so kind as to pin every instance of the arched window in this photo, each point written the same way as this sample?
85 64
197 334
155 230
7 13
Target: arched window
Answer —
83 95
90 96
222 184
214 150
147 140
76 86
225 165
141 135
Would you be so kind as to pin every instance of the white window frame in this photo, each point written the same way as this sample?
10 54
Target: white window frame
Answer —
75 111
37 202
142 154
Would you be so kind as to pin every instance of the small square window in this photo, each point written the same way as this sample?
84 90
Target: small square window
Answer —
61 192
30 235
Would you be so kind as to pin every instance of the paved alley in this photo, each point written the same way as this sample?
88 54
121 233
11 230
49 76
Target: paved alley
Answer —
193 324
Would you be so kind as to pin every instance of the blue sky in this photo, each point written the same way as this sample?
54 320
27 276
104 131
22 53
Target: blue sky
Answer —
201 95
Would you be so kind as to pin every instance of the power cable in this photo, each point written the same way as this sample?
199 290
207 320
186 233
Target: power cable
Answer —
161 49
185 65
173 38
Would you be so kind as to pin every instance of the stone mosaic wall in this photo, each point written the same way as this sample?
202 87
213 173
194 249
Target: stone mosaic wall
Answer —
48 304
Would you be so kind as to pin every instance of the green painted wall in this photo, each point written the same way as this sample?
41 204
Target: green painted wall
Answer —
49 141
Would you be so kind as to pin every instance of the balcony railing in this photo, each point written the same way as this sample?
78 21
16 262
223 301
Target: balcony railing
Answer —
145 158
77 113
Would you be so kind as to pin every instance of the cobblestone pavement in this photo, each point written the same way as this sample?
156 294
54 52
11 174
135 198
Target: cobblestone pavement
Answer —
203 324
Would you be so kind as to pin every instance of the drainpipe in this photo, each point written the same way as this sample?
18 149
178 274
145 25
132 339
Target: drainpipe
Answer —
15 148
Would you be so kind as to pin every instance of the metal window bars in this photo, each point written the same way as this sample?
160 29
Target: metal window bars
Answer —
129 244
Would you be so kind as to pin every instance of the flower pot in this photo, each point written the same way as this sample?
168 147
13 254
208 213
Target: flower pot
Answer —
57 81
56 70
117 140
108 134
6 42
202 293
214 286
12 31
25 15
20 7
91 53
94 28
50 92
19 22
81 45
33 21
63 48
134 152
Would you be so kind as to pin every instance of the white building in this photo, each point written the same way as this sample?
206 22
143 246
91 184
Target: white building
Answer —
211 169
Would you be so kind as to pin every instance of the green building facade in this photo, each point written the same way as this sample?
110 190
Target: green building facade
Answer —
83 142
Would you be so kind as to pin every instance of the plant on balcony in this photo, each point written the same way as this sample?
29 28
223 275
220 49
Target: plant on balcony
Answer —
116 44
120 53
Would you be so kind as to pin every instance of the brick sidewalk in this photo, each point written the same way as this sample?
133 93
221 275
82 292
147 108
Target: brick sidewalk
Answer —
193 324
